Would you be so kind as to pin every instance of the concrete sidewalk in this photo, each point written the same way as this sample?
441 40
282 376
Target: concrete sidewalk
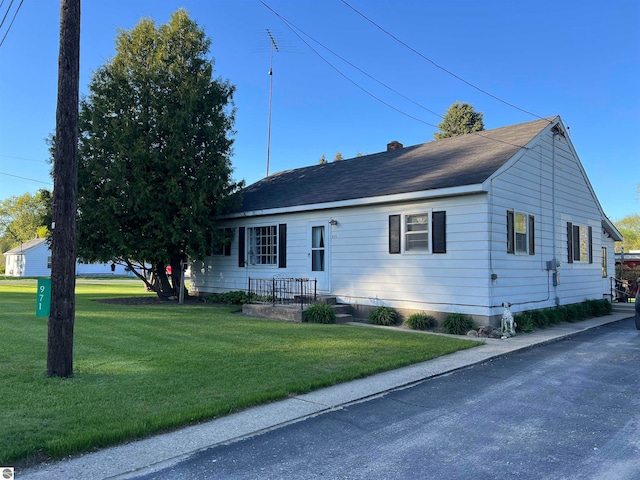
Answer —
136 458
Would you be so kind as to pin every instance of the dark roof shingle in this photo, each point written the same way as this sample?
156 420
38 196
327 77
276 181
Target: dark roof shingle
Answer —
457 161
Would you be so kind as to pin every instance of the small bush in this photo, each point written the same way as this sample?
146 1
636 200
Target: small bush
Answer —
554 315
457 324
420 321
573 312
237 297
524 322
385 316
540 319
319 313
598 308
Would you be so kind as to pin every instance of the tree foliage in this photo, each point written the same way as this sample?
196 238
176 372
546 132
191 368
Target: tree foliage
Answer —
154 152
460 118
25 217
22 219
629 227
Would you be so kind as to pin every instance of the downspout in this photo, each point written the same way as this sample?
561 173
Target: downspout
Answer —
554 262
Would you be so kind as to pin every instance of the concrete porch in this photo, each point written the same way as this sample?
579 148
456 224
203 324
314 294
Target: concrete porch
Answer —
293 313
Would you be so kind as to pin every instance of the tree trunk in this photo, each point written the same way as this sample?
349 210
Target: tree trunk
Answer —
164 289
65 174
177 264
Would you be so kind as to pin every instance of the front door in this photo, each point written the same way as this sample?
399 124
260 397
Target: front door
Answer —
318 241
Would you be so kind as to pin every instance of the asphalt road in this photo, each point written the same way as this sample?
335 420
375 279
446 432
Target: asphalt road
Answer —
565 410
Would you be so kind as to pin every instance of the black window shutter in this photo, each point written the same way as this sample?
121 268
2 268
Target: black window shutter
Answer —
439 233
282 245
241 246
532 235
590 245
394 233
510 232
569 242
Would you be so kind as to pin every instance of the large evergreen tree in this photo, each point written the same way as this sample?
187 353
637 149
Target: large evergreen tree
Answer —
154 152
461 118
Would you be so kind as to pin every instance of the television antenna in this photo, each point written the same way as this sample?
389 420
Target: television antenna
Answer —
274 48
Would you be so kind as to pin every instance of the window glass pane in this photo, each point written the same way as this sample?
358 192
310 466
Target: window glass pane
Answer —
317 239
576 243
584 245
521 232
317 249
317 260
263 245
521 223
417 232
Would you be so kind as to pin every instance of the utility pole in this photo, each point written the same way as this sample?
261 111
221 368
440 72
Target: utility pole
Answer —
274 46
65 177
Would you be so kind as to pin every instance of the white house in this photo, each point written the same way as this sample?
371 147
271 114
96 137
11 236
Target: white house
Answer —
33 259
454 225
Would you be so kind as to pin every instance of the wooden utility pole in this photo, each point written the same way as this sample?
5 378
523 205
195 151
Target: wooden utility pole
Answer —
65 178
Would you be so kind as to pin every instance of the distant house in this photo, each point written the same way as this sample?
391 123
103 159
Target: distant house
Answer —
33 259
454 225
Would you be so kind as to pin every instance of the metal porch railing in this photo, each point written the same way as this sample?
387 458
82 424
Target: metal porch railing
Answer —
620 292
283 291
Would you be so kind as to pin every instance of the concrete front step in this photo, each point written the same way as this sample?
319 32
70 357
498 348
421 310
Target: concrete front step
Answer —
293 313
344 318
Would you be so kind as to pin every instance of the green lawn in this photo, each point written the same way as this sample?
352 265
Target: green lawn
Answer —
144 369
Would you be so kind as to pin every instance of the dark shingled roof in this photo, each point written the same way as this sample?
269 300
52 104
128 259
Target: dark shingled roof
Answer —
452 162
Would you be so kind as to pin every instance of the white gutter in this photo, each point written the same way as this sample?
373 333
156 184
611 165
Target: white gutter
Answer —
357 202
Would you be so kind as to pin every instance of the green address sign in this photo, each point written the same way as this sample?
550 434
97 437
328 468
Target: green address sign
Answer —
43 298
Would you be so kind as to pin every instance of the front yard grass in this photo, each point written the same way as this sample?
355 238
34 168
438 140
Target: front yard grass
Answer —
142 369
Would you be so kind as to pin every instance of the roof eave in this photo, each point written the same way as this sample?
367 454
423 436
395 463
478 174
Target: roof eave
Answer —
359 202
611 229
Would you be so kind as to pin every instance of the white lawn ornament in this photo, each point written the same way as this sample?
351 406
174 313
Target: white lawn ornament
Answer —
507 326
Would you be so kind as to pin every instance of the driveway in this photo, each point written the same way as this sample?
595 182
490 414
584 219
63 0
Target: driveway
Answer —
565 410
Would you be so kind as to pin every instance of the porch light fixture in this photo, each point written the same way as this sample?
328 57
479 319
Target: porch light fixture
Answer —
333 222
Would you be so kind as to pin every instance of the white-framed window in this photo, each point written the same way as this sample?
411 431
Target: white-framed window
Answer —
579 243
416 232
605 274
49 262
520 233
262 245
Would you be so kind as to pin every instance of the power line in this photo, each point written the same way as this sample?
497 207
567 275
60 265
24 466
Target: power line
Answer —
365 73
12 20
7 13
25 178
421 55
291 27
295 30
23 158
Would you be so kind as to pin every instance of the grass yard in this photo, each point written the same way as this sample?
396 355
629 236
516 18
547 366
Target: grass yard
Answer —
140 369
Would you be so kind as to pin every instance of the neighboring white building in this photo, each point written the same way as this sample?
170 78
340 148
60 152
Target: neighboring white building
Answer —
33 259
454 225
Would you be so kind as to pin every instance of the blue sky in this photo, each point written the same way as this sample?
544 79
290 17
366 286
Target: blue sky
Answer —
576 59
